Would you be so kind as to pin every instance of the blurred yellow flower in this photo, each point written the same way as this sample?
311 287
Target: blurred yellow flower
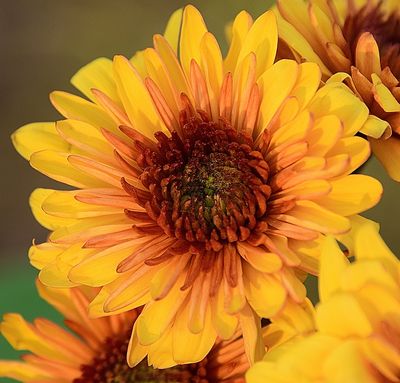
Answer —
204 186
95 351
358 42
358 321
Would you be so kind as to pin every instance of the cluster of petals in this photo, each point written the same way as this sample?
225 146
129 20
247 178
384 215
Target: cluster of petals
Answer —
357 335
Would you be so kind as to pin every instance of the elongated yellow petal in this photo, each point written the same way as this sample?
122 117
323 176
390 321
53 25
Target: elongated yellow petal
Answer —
275 86
342 308
55 165
262 39
240 29
136 99
352 194
173 29
37 136
96 75
77 108
333 265
36 201
157 316
251 327
188 347
193 30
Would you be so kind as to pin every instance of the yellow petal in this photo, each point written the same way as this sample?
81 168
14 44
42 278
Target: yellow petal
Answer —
370 245
333 266
357 148
136 99
212 68
259 258
262 40
188 347
157 315
85 138
250 325
376 128
50 222
352 194
43 254
337 99
173 29
325 133
160 352
96 75
37 136
56 165
343 316
383 96
240 29
193 30
77 108
275 86
55 274
312 216
136 351
307 83
100 268
224 324
264 292
347 364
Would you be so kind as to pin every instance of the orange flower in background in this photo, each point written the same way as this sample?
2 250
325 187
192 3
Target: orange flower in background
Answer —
357 42
95 351
203 186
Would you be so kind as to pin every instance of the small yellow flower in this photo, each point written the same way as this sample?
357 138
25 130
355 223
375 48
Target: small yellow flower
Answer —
204 185
94 350
357 42
357 336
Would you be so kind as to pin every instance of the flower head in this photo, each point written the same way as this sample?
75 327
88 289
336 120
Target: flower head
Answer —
357 336
357 42
94 350
204 185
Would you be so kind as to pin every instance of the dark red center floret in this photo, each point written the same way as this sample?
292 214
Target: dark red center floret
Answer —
208 185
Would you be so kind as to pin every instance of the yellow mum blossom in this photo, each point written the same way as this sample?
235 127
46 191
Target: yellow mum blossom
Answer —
357 321
203 185
94 350
357 42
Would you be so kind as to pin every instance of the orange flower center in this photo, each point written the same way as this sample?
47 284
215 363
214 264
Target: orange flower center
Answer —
385 29
208 186
110 366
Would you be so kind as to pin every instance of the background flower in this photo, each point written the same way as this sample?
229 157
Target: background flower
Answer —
361 39
95 351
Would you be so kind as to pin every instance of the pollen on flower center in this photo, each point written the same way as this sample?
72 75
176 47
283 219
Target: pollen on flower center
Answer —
385 29
110 366
208 184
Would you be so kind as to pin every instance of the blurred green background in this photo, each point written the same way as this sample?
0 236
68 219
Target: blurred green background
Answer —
42 44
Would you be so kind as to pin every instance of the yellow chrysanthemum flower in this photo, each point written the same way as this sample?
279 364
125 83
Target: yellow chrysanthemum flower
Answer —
95 351
357 42
204 185
358 321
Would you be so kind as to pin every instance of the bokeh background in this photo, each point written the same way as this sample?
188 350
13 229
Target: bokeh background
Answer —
42 44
